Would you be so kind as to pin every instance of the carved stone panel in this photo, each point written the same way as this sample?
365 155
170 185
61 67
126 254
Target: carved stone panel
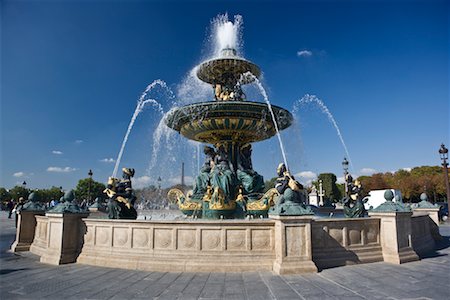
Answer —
55 235
141 238
163 238
373 234
318 236
295 245
186 239
261 239
211 239
337 235
102 236
354 235
120 237
236 239
89 236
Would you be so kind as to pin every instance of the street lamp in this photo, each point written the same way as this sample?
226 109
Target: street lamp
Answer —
345 167
89 187
443 152
159 182
24 185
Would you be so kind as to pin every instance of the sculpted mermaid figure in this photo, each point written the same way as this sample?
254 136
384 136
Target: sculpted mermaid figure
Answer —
222 177
250 180
292 198
203 179
122 198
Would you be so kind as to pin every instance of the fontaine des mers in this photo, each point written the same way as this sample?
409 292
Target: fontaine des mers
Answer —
283 236
227 185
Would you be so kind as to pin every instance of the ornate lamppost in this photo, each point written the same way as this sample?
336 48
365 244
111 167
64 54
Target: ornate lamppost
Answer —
24 185
89 186
321 193
443 152
345 167
159 182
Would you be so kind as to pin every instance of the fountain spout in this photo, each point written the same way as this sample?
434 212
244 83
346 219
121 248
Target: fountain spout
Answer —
228 52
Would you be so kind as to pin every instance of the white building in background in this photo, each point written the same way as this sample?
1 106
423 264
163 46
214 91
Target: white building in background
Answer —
313 199
376 198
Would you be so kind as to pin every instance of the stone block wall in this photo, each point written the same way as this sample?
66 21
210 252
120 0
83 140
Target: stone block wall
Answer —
283 245
338 242
421 234
223 246
40 242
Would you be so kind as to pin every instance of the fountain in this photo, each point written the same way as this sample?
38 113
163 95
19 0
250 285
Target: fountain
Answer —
228 187
284 239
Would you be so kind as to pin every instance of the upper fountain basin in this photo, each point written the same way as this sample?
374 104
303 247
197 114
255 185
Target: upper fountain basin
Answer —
227 70
237 121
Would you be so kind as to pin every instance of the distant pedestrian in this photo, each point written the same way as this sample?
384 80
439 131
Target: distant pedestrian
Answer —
83 204
18 208
10 206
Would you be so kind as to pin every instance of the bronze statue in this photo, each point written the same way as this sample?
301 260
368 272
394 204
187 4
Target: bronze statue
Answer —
203 179
223 181
121 196
292 199
353 203
250 180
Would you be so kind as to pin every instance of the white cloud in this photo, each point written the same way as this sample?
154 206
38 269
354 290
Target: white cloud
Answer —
57 152
108 160
367 171
306 177
61 170
307 174
304 53
141 182
188 180
19 174
340 180
406 169
78 141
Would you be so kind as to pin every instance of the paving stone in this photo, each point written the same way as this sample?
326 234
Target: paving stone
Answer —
22 276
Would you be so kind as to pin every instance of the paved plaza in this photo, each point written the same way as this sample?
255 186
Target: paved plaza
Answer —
23 277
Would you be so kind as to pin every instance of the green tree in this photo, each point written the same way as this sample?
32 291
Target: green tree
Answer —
85 185
341 188
268 184
19 191
4 195
412 183
329 185
47 195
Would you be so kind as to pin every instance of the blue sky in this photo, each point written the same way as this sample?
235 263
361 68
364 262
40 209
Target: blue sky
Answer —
72 71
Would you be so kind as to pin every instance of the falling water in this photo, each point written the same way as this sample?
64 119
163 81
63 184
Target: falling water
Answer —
266 98
313 99
198 158
227 34
139 107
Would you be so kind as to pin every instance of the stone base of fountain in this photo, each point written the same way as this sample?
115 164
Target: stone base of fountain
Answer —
282 244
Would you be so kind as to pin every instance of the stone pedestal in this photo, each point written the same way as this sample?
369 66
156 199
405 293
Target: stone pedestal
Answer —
26 224
65 237
293 246
395 235
433 212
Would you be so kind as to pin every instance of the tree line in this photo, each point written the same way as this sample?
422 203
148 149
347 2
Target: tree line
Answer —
411 183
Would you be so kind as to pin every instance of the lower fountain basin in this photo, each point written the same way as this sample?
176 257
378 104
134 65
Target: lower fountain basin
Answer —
212 122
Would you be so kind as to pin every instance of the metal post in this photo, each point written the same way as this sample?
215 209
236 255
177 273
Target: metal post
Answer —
89 187
444 156
345 167
182 173
321 193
